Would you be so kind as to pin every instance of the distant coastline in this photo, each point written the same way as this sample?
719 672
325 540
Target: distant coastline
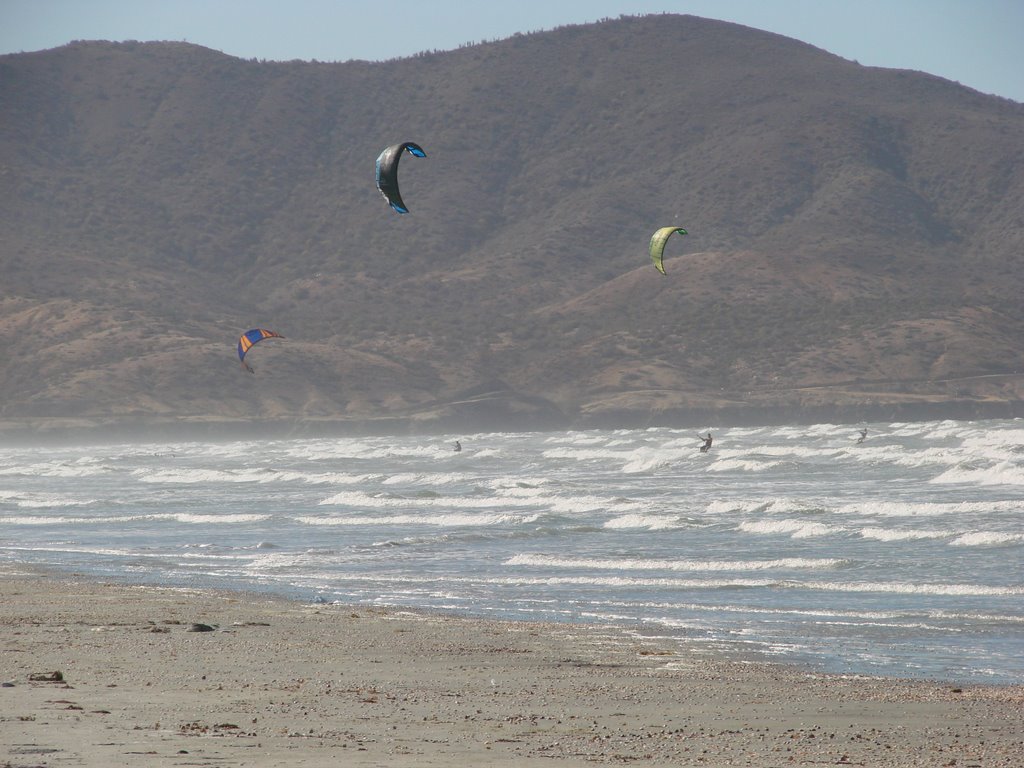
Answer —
453 420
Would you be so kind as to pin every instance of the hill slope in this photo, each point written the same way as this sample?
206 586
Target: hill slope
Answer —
856 234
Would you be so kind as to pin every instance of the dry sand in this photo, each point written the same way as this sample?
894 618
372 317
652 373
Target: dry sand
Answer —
278 683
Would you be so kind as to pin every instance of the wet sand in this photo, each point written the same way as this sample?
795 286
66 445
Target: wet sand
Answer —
96 674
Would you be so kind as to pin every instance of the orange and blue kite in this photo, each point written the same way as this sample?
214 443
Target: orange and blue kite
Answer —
249 338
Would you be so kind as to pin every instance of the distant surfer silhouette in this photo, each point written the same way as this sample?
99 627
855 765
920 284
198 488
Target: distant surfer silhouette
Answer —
458 446
707 443
863 436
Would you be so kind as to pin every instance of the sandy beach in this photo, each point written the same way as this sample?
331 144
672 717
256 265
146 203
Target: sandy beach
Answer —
97 674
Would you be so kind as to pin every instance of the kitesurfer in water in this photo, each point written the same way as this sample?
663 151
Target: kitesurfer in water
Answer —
458 446
707 443
863 436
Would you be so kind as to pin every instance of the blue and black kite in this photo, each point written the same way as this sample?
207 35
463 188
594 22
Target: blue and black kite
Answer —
387 172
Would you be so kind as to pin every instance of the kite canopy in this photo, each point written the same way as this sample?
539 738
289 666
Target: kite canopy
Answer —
387 172
249 338
658 240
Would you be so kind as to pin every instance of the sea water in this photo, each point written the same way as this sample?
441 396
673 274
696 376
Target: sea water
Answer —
902 555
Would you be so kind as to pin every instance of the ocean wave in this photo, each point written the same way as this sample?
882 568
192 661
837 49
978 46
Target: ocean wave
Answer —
900 457
1002 473
630 582
929 509
425 478
65 520
553 561
205 475
987 539
363 499
779 451
1008 438
323 478
440 520
896 534
899 588
561 505
577 439
934 430
192 518
647 460
523 493
586 454
100 520
764 506
69 469
798 529
743 465
645 522
570 505
39 500
853 615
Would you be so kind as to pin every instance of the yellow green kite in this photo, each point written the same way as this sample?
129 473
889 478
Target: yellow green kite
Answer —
658 240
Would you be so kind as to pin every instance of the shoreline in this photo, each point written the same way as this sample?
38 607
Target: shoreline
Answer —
281 683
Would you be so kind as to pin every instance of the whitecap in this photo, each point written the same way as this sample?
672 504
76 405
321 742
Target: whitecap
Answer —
987 539
743 465
895 534
1002 473
626 564
644 522
798 529
439 520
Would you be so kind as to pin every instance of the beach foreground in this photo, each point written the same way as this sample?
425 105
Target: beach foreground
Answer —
96 674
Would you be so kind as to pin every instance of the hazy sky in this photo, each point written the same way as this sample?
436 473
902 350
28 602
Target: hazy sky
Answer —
979 43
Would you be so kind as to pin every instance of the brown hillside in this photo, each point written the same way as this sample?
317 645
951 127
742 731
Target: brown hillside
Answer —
856 234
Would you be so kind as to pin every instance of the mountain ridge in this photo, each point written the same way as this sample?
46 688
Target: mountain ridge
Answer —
849 227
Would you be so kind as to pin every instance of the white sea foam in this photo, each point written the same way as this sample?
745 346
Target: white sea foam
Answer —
587 454
40 500
960 590
483 453
204 475
324 478
632 582
743 465
647 522
71 468
798 529
570 505
362 499
940 430
929 509
95 520
214 519
528 483
1009 438
429 478
451 520
987 539
896 534
789 451
523 493
624 564
763 506
1001 473
897 456
724 507
646 460
577 438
